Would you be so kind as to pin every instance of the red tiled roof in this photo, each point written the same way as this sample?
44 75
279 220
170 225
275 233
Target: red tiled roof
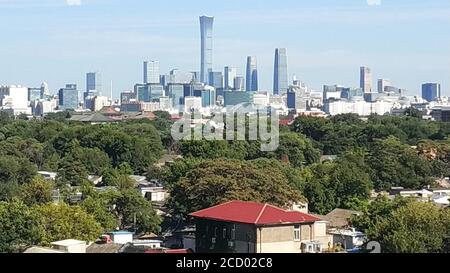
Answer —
253 213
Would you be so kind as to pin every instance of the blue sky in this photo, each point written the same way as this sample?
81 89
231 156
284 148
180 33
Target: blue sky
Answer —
58 41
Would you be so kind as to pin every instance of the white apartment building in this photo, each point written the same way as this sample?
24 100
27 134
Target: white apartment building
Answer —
15 99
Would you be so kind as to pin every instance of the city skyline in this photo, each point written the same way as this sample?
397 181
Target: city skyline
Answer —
393 52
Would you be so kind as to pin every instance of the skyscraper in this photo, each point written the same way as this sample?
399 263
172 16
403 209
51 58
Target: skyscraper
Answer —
252 74
239 84
216 80
68 97
382 84
206 32
93 82
366 79
280 78
151 72
230 74
431 91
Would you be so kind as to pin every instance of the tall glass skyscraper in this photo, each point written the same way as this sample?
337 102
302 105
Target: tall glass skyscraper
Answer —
366 79
252 74
230 74
431 91
68 97
206 32
280 78
151 72
93 82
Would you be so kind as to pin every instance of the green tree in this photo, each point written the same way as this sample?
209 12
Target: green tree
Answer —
137 213
61 221
39 191
100 206
216 181
414 228
397 164
19 227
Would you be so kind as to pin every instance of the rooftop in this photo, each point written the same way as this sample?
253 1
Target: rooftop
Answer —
69 242
253 213
341 217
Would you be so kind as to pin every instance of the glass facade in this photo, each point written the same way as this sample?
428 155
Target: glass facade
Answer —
206 33
216 80
68 97
235 98
35 94
252 74
176 94
280 79
431 91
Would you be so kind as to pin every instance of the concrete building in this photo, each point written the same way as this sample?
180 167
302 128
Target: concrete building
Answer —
14 99
366 79
239 84
248 227
230 73
382 84
151 72
192 103
70 246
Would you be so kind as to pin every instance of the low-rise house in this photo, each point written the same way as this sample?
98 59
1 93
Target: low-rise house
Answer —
70 246
248 227
48 175
340 218
121 237
154 194
424 195
148 243
348 239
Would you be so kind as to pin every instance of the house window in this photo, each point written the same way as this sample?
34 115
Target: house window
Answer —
297 232
224 233
216 231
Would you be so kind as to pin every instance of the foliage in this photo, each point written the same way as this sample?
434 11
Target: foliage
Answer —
39 191
19 227
216 181
61 221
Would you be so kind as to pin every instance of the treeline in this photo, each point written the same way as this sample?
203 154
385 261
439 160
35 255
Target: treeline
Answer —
34 211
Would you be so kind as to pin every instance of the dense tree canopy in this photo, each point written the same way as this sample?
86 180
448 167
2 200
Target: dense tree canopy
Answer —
215 181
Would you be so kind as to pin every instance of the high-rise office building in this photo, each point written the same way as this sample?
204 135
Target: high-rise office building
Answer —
216 80
431 91
149 92
151 72
230 74
280 78
252 74
93 82
206 32
45 91
239 84
382 84
366 79
68 97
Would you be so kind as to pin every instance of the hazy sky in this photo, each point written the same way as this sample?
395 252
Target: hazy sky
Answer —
58 41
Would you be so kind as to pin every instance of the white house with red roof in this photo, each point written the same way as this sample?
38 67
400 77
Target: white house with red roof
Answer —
249 227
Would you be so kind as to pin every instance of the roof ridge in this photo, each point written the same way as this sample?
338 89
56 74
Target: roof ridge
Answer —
260 213
216 206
